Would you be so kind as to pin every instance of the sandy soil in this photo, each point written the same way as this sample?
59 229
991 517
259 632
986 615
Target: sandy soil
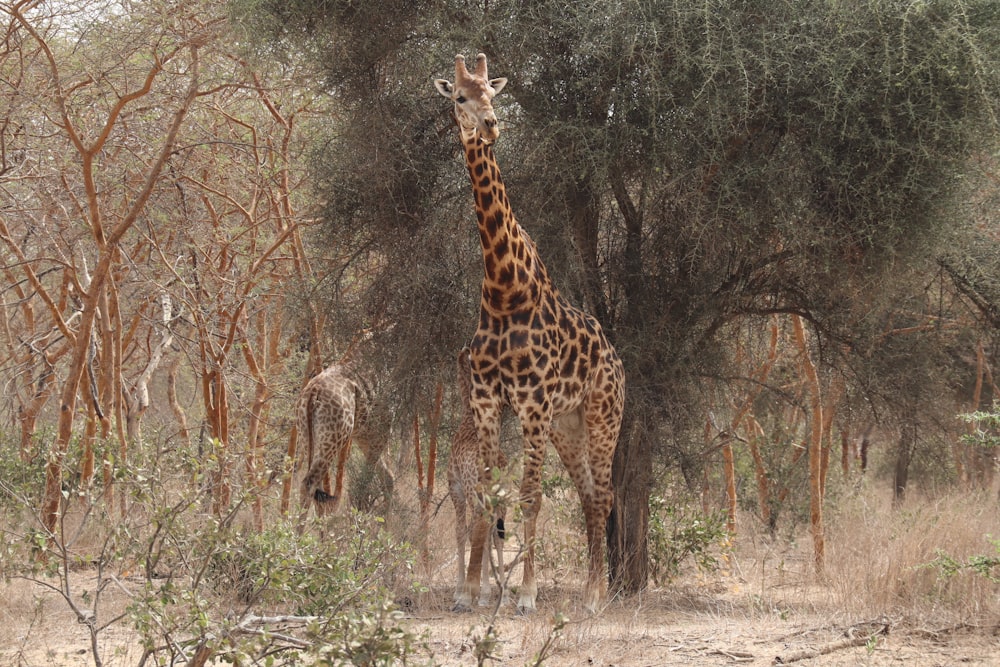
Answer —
694 626
687 624
763 607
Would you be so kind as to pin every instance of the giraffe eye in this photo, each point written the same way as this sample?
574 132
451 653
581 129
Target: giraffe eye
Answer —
460 99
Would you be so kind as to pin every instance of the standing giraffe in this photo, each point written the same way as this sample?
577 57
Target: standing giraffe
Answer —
463 478
549 361
334 407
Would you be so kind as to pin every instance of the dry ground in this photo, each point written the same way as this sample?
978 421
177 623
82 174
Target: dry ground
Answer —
699 622
696 627
763 607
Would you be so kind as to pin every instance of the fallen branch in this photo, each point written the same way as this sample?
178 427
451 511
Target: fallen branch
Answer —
257 625
735 656
851 642
936 634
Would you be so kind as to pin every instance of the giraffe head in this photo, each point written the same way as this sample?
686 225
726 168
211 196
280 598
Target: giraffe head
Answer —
473 94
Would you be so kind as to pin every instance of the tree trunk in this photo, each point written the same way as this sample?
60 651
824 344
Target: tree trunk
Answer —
815 448
756 435
585 206
106 245
257 417
175 405
729 468
845 453
904 454
628 525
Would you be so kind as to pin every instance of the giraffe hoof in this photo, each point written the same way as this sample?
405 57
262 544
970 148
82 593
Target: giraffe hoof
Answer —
461 608
525 604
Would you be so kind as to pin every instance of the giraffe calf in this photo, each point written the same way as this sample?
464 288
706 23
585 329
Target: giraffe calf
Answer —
463 478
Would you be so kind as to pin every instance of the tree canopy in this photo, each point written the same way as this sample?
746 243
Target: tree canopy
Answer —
688 170
681 164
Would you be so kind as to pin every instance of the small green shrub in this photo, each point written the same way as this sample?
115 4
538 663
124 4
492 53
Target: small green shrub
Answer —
987 428
20 481
677 534
982 565
329 599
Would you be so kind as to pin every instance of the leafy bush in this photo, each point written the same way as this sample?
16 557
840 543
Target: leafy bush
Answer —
361 566
329 598
19 480
201 588
987 428
983 565
677 534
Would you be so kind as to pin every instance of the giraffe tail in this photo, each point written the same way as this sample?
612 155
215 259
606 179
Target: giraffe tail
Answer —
313 477
321 496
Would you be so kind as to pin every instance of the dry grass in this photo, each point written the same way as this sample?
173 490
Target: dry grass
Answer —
879 560
765 599
878 557
767 594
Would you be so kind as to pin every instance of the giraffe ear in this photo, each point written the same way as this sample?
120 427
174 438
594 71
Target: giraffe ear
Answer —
498 84
444 87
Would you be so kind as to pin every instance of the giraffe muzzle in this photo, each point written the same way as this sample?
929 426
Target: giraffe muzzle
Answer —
489 129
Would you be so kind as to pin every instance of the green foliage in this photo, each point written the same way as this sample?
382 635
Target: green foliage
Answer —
677 534
987 428
555 483
986 566
209 583
338 590
19 480
680 164
368 639
357 567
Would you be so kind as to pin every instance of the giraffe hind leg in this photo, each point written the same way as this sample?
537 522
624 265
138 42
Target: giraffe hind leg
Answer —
576 446
461 534
325 500
496 570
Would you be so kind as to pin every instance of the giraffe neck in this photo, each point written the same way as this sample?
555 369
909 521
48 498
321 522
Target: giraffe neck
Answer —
515 276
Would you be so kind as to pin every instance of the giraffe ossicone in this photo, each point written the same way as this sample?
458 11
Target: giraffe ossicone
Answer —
535 352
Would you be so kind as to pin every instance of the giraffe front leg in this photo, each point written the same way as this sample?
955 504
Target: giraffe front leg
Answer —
494 571
479 536
596 591
487 567
487 418
501 571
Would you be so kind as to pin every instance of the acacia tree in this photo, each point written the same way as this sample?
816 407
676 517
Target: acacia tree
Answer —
191 186
92 110
244 249
681 166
